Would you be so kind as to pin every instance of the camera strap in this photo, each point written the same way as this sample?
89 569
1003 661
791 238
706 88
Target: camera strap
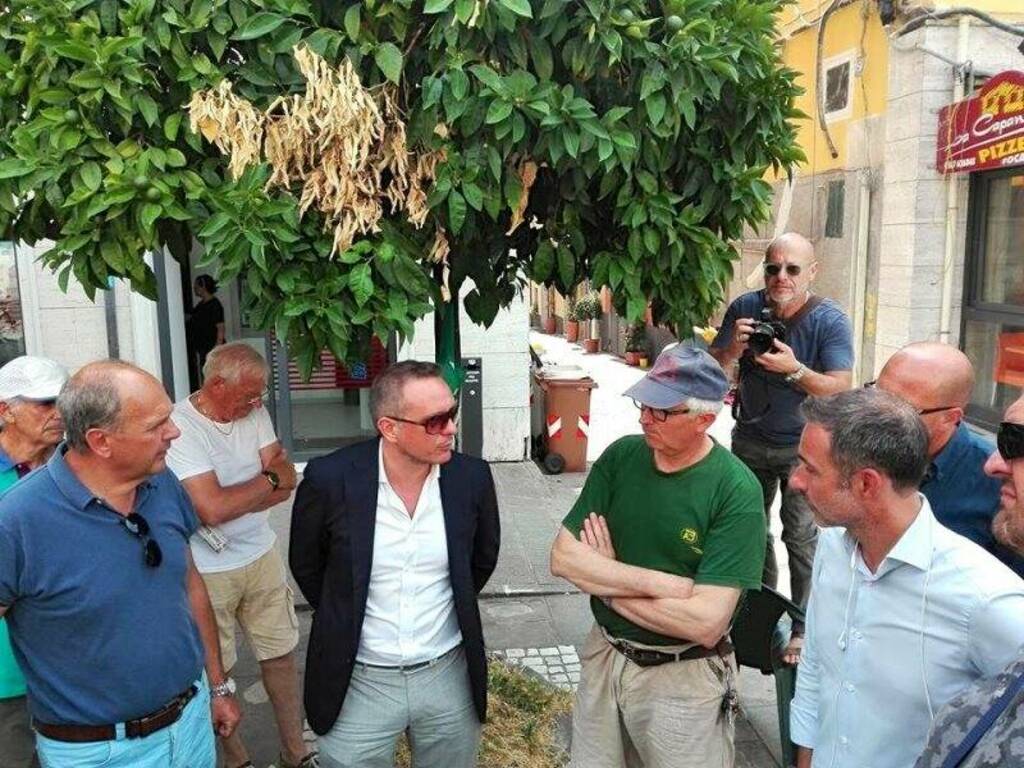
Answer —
809 306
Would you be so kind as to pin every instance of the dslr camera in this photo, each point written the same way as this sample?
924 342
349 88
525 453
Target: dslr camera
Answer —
766 330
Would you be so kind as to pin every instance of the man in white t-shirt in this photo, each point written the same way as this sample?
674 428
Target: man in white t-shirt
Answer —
234 469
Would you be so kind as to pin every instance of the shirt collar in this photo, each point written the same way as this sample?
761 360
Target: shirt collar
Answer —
914 547
950 454
74 490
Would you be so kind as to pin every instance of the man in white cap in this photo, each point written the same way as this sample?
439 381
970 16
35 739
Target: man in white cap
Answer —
30 428
667 533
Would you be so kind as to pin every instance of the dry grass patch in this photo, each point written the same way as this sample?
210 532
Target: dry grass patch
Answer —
521 716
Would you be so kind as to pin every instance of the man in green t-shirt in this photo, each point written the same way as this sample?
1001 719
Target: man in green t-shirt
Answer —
30 428
667 533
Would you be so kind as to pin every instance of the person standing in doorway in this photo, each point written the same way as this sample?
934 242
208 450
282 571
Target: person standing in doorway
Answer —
206 325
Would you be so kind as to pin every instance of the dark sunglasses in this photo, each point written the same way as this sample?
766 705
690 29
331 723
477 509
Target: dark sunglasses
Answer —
1010 440
921 411
772 270
137 526
434 425
659 414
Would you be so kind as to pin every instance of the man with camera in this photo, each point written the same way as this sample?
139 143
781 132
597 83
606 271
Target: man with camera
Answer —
788 344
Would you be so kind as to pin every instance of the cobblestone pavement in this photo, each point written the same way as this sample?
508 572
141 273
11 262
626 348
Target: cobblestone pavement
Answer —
559 664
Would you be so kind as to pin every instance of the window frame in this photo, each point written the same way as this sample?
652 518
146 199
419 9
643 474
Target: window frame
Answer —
846 57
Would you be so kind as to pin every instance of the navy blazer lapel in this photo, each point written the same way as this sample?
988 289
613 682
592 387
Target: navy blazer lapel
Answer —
363 520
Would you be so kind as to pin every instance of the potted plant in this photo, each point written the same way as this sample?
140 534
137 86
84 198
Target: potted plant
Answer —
548 324
572 320
636 343
589 308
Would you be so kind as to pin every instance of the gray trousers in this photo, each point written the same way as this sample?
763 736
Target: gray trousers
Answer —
433 704
772 466
17 739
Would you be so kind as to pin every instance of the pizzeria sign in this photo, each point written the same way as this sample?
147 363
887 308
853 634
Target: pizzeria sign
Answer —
985 131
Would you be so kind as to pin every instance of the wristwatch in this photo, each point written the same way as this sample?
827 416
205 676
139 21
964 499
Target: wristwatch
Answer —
272 478
796 375
226 688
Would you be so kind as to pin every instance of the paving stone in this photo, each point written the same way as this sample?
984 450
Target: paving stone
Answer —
515 653
559 679
574 676
532 652
567 650
556 668
572 667
548 651
573 659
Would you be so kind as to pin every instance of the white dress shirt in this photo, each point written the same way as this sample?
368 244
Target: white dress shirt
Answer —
410 608
938 609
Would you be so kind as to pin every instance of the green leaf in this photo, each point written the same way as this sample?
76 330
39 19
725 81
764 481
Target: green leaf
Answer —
571 140
258 25
360 282
352 22
171 126
456 211
498 111
494 161
459 82
566 266
92 175
175 158
77 51
216 223
436 6
543 262
655 108
149 214
540 53
14 167
474 195
488 77
518 7
389 60
464 10
150 111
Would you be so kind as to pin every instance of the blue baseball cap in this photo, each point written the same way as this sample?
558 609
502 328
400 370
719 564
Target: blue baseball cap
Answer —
678 373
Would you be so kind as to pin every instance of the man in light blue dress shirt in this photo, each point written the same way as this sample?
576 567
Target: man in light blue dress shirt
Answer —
904 613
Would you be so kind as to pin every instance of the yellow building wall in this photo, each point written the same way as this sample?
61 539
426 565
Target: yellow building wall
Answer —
848 31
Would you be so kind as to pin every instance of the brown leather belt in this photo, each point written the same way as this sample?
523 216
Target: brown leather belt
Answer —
133 729
644 657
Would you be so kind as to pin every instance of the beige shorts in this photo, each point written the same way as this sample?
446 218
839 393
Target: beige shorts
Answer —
669 716
258 597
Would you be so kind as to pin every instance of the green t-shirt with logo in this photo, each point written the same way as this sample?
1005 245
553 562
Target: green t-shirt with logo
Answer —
11 681
705 522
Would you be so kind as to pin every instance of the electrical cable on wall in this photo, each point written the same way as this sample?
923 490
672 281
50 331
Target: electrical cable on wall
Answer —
818 79
926 15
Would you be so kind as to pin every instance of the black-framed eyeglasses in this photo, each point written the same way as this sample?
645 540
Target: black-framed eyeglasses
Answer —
920 411
1010 440
659 414
434 425
772 270
137 526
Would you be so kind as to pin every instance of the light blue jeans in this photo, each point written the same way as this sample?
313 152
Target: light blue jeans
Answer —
433 703
188 743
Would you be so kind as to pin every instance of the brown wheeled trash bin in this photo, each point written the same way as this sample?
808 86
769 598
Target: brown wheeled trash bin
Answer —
566 419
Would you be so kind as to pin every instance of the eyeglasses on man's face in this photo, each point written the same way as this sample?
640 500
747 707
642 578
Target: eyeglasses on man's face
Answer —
920 411
773 270
432 425
659 414
1010 440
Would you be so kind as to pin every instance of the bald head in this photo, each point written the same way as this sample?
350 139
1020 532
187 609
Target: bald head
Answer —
100 394
791 246
939 372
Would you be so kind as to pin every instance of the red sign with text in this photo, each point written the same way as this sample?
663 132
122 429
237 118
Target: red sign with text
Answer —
985 131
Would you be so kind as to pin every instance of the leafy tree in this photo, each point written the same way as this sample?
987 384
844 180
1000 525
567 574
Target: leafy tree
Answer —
621 140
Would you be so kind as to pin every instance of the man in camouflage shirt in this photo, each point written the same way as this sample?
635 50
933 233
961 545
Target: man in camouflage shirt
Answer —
1002 744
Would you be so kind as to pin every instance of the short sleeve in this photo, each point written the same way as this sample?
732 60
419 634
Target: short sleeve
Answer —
264 428
218 312
734 548
836 352
189 518
594 497
724 336
10 564
188 455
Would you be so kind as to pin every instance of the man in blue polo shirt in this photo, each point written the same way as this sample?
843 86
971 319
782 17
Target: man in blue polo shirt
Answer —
108 617
816 358
937 380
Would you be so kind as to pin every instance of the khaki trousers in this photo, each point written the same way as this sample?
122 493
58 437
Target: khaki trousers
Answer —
669 716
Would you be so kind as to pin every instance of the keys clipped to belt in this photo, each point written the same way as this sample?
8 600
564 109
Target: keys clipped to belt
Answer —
731 702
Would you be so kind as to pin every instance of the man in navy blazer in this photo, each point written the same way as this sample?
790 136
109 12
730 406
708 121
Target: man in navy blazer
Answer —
391 540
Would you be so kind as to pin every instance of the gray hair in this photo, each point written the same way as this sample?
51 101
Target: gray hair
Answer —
871 428
231 362
90 400
697 406
386 392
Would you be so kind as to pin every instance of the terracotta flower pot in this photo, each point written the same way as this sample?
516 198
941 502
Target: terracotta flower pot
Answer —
549 324
632 358
591 345
572 330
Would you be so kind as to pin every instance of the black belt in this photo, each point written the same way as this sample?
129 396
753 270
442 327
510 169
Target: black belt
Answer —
644 657
139 728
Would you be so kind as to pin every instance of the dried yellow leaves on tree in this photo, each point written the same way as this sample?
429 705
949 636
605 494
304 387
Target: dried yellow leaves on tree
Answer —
343 143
